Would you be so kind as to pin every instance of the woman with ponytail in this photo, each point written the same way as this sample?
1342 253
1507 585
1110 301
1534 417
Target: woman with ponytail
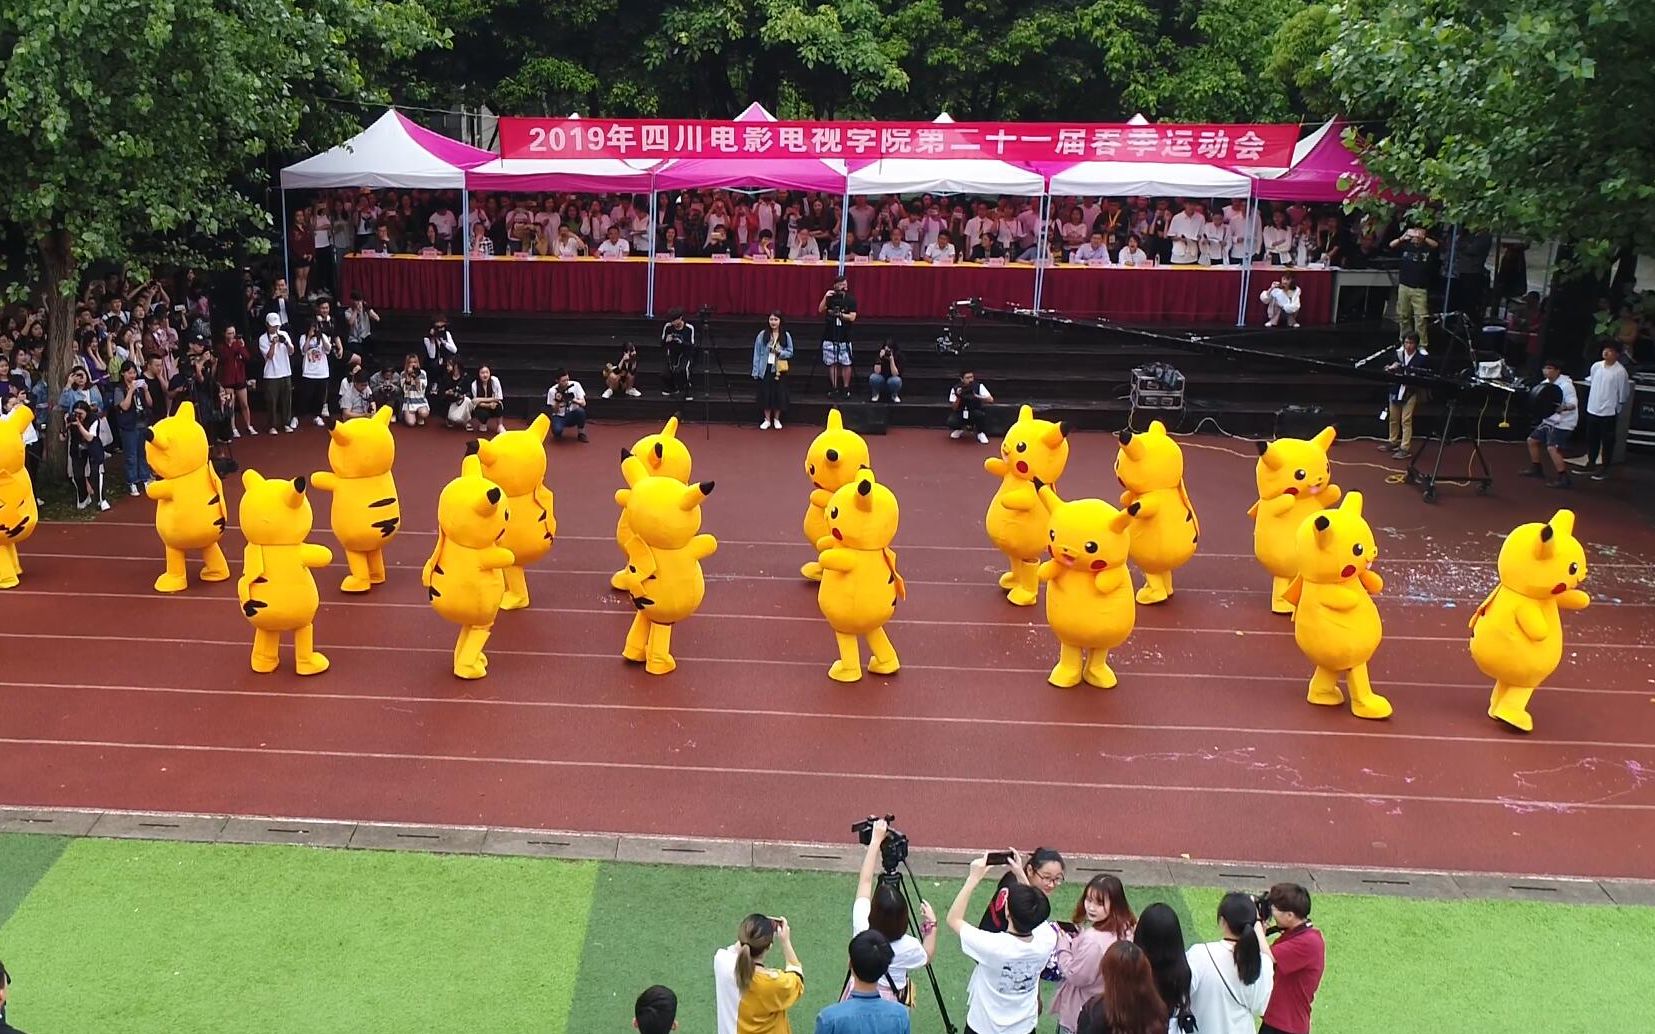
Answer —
752 998
1231 978
1161 936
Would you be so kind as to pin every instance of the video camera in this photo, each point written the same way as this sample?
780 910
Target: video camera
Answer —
894 851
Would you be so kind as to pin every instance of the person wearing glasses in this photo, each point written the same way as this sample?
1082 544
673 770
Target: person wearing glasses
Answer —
1043 870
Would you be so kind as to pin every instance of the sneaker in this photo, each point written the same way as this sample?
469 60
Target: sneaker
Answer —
633 392
608 393
777 425
874 399
1601 474
896 398
234 433
581 437
1531 472
765 425
271 431
1387 446
956 434
293 424
132 490
103 504
81 504
982 439
325 412
1402 454
666 394
688 397
1561 481
319 422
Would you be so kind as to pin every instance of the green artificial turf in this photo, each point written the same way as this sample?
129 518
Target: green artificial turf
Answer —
123 936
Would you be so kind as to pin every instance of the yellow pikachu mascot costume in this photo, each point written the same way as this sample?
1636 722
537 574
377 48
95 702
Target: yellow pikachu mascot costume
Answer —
465 577
1089 603
1033 450
366 510
831 463
664 554
19 514
1150 468
860 582
662 455
516 461
1294 481
1517 633
190 511
276 590
1335 621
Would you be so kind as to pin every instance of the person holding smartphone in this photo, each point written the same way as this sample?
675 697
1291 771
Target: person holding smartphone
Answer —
1004 991
751 997
1043 869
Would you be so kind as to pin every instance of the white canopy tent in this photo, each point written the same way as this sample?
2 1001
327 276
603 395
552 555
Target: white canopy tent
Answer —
1155 179
945 176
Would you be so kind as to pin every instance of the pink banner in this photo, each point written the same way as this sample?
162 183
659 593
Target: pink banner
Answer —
647 139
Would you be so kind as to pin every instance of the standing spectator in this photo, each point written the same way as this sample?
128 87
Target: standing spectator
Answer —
321 246
1300 957
156 380
968 400
279 305
1243 231
1609 389
438 343
1161 937
1042 870
233 357
772 352
132 405
359 327
1127 1001
415 406
1413 292
86 454
752 998
487 402
1410 358
678 340
1003 994
1214 239
1102 917
1281 300
655 1011
1231 978
887 373
566 402
1074 230
863 1010
838 308
276 349
1185 232
444 222
883 909
315 379
1551 434
1278 239
301 244
622 374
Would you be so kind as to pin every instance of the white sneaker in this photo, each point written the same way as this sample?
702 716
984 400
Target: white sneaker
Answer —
873 398
81 504
234 433
103 504
320 422
132 490
290 428
982 439
633 392
896 398
766 425
608 393
956 434
272 431
778 425
325 411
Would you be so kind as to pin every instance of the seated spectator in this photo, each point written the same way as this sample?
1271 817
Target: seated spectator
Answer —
752 998
1094 252
386 386
622 374
941 250
566 403
896 249
863 1010
481 246
719 243
1004 990
764 247
1133 255
449 392
355 397
887 373
988 247
568 245
379 244
415 407
968 401
668 243
655 1011
805 248
1281 299
486 402
613 247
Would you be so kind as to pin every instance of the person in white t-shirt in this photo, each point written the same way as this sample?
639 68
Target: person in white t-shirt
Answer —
1133 255
1243 231
1231 978
1214 239
444 220
1003 995
568 244
1185 232
1610 389
613 247
941 250
1551 434
276 349
883 908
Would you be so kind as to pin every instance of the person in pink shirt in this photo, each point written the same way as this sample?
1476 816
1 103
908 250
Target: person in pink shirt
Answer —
1102 917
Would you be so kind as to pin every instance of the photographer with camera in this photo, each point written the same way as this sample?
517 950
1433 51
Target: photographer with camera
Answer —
1003 996
1300 957
838 307
751 997
1231 978
886 379
130 416
678 339
884 908
968 399
566 405
86 455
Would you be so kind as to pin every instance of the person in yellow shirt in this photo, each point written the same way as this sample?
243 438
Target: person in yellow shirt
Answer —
753 998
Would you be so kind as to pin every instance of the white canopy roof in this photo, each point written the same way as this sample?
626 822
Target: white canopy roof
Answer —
1155 179
393 152
945 176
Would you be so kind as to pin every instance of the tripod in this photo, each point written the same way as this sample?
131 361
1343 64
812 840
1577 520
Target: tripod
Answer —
711 347
893 878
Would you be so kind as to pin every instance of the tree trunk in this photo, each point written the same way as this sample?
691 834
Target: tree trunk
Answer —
58 265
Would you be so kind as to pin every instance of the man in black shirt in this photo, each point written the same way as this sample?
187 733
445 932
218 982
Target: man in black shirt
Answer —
838 308
678 338
1413 299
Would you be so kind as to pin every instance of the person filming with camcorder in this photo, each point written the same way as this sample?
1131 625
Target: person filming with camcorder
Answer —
882 905
1300 955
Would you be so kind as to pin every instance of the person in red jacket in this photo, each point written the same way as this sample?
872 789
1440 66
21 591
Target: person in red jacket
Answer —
1301 957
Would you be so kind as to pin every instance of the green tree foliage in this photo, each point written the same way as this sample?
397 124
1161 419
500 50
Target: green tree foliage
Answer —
1529 117
130 126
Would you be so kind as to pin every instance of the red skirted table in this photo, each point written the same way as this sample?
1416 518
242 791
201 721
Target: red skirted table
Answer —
1190 295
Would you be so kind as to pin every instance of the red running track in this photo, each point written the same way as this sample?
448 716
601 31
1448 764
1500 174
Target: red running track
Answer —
114 697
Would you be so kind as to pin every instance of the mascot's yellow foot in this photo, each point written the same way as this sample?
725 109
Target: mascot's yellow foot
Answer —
265 665
1522 721
210 574
1022 598
660 665
1280 606
840 672
315 664
1065 676
354 584
1150 595
635 656
879 667
1327 697
812 571
1376 706
618 581
1101 676
470 671
513 601
10 582
376 577
172 583
1008 580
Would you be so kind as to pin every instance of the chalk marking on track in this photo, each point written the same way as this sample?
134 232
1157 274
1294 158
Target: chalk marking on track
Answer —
725 770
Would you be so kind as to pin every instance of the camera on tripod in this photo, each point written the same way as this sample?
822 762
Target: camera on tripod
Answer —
894 851
951 343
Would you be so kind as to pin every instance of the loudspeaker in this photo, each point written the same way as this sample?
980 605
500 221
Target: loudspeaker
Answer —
866 418
1302 421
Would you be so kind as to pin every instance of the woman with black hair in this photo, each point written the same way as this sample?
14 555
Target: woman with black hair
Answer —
1161 936
883 908
1042 870
5 992
1231 978
86 456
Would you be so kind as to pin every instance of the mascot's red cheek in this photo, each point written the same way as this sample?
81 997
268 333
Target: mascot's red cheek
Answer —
1022 467
1349 570
1291 491
1098 565
837 535
1559 588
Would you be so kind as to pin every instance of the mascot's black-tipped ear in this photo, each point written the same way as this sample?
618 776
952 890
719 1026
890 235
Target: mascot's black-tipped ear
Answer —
1063 428
660 451
473 447
706 488
299 485
626 453
1322 523
1546 533
864 487
1263 447
1125 436
494 495
1134 508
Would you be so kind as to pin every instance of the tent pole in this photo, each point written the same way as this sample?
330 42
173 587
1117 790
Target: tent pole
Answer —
844 223
1041 253
1448 281
1247 262
649 274
287 270
465 254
